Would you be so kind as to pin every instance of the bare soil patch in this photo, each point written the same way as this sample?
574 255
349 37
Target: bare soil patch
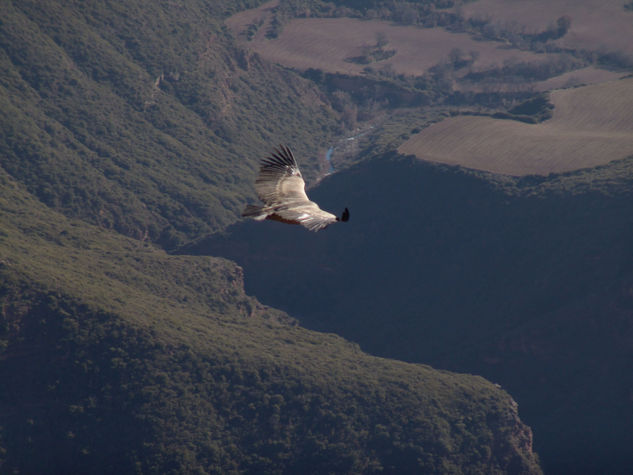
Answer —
591 126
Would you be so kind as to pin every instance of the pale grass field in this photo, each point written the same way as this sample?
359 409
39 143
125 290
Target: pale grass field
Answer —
584 76
595 24
325 43
591 126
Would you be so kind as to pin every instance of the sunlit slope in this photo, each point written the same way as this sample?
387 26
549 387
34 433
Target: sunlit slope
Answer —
143 117
591 126
118 357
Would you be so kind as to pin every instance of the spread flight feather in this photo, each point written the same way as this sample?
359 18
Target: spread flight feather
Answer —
281 188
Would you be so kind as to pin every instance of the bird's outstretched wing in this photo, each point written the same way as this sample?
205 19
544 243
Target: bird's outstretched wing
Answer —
280 180
282 189
309 216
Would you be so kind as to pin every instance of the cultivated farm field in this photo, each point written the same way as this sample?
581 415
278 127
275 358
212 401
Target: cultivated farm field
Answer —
596 25
578 77
591 126
328 43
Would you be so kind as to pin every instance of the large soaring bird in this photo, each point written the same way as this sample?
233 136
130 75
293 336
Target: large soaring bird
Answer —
282 189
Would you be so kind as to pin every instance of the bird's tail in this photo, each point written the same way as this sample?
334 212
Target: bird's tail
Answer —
255 212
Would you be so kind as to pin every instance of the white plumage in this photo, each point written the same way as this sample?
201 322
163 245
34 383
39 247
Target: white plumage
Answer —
281 188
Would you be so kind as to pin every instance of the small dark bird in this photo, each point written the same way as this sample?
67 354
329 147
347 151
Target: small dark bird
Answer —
282 189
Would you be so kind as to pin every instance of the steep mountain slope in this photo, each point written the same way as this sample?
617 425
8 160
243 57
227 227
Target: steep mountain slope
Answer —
116 357
139 115
528 282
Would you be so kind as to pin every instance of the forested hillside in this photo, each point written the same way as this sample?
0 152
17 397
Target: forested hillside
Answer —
143 117
116 357
130 134
126 129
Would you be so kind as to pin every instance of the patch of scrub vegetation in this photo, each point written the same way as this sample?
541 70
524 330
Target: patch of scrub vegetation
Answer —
374 53
532 111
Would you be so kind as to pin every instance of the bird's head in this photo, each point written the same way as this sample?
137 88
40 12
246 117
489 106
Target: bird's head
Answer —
345 216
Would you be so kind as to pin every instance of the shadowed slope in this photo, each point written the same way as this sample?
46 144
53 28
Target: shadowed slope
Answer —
526 281
117 357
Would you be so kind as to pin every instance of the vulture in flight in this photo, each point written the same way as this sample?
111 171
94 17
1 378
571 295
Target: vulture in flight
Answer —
282 189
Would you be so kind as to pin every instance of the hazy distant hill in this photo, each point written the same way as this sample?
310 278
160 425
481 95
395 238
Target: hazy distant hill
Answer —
527 281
